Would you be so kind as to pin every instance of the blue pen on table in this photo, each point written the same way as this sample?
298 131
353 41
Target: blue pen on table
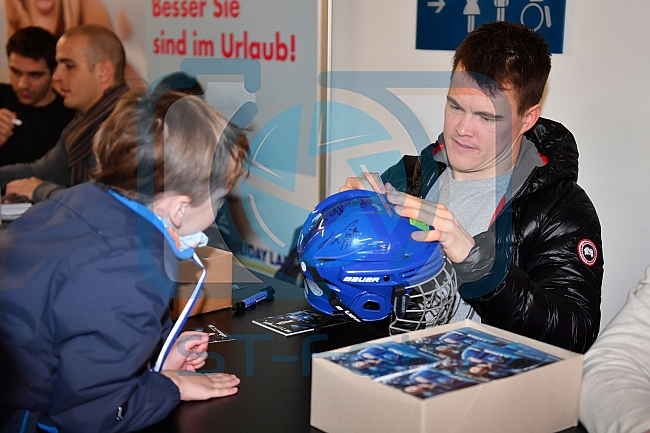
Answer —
265 293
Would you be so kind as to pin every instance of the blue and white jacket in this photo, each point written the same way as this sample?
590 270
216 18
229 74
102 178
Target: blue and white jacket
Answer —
84 293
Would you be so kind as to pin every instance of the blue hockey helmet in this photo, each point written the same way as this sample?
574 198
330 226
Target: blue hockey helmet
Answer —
358 259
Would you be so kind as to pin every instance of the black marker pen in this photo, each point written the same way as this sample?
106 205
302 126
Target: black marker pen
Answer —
265 293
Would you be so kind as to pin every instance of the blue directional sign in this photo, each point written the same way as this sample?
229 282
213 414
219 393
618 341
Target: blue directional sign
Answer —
443 24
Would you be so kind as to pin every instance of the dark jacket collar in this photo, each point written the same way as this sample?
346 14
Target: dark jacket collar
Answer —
556 146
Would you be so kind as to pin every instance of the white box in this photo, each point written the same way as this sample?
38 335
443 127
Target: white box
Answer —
544 399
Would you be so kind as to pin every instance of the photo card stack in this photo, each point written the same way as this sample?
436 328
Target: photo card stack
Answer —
297 322
436 364
379 360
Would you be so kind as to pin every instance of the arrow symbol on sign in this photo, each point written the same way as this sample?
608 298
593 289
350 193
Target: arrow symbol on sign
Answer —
440 4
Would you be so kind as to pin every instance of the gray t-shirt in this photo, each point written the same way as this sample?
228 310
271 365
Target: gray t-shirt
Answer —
474 202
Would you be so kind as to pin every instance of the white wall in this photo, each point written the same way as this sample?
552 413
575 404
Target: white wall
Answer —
598 88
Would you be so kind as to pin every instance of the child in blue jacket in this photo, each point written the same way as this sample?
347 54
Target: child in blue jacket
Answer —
87 275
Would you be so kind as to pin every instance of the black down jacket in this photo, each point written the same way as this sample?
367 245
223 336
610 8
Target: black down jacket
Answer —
543 280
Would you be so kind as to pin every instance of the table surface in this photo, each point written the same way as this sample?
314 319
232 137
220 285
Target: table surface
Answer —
274 393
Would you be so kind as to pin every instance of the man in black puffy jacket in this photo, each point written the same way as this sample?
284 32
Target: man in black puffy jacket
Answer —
499 188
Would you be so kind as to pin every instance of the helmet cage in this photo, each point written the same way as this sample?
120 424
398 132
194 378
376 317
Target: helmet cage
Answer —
430 304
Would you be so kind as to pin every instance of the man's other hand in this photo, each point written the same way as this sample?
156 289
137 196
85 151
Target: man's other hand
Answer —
24 187
455 240
367 181
7 117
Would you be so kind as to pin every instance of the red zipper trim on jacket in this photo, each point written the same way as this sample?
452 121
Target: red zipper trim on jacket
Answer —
544 158
502 202
500 206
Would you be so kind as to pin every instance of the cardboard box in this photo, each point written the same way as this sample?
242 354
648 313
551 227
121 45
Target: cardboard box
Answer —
217 289
544 399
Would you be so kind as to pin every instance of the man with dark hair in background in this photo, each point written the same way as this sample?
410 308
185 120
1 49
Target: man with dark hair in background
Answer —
500 190
90 76
32 114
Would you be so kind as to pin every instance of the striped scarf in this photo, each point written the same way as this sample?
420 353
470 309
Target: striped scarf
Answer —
78 135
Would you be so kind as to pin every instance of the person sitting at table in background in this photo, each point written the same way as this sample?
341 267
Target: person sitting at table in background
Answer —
87 276
615 394
32 115
90 75
57 16
499 187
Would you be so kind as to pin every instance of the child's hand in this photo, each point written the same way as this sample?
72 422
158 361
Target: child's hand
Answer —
188 352
198 386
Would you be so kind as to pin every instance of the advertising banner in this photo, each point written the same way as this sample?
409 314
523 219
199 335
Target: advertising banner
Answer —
258 63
